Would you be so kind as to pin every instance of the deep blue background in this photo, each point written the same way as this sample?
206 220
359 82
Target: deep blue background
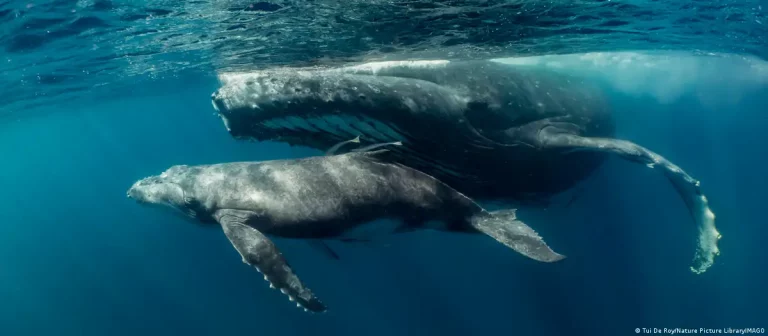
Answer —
79 258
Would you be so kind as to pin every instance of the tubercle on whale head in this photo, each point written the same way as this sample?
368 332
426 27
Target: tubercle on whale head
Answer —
277 92
261 107
248 103
283 92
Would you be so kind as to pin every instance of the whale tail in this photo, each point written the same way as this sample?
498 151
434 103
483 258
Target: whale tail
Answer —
504 226
557 133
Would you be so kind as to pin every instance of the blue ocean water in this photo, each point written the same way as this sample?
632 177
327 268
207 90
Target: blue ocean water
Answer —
79 258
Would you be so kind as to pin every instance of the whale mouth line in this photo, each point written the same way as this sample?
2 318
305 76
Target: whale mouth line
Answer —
334 127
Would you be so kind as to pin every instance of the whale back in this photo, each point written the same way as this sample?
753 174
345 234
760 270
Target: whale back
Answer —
502 96
365 186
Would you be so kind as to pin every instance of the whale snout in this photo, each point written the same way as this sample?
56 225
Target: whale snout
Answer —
158 189
140 189
134 192
136 196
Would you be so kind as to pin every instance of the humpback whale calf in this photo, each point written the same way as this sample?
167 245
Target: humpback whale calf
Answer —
490 130
324 197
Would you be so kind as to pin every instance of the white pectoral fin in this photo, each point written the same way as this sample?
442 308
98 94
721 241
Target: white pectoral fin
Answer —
259 251
686 186
504 227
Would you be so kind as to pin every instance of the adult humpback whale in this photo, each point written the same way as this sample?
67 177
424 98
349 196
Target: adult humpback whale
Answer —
489 130
325 197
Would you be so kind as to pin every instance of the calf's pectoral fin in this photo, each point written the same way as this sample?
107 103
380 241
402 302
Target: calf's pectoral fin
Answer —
260 252
553 134
504 226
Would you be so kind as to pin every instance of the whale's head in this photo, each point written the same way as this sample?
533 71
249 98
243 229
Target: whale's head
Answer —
329 106
162 190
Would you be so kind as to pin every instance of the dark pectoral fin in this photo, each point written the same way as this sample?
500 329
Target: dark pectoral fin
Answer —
259 251
323 248
554 136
